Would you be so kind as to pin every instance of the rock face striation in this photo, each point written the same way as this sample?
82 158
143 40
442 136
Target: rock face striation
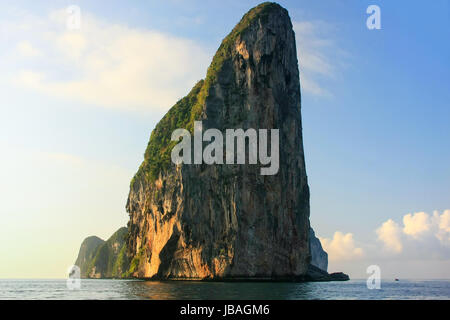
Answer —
107 259
221 221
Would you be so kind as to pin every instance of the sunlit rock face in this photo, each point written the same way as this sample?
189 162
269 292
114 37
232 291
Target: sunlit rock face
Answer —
228 221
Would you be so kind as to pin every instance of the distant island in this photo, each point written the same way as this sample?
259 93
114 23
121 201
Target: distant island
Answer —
224 222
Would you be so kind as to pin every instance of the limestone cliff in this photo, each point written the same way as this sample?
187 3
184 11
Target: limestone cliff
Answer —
319 257
91 258
228 221
88 250
104 259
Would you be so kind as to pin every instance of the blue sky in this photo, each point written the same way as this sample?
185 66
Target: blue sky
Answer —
375 108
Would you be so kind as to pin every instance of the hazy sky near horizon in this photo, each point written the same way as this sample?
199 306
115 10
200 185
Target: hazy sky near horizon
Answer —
77 108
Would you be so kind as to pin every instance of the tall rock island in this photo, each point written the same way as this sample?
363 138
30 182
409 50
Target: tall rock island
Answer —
219 221
224 221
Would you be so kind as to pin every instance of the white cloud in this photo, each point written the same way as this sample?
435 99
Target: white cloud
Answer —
312 87
311 48
341 247
389 233
117 66
417 224
318 56
106 64
30 79
422 235
443 222
26 49
419 248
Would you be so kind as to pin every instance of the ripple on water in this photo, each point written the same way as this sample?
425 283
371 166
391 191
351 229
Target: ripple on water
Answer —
163 290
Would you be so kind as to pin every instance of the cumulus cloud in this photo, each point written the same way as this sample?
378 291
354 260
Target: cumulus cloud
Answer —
443 226
421 235
418 246
389 233
26 49
106 64
417 224
116 66
341 247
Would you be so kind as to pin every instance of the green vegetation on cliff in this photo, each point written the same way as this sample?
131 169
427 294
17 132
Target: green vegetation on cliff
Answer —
224 52
181 115
135 263
104 259
88 251
188 109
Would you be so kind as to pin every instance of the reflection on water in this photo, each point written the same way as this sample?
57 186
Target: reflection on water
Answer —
130 289
220 290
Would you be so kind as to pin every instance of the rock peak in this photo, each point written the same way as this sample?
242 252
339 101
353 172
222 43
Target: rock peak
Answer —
263 9
264 13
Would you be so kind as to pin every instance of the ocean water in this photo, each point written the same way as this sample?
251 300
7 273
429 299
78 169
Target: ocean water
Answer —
134 289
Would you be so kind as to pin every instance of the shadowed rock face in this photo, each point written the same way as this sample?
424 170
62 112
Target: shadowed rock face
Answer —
228 221
87 253
104 259
319 257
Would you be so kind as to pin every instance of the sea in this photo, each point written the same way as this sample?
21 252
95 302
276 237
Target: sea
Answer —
167 290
